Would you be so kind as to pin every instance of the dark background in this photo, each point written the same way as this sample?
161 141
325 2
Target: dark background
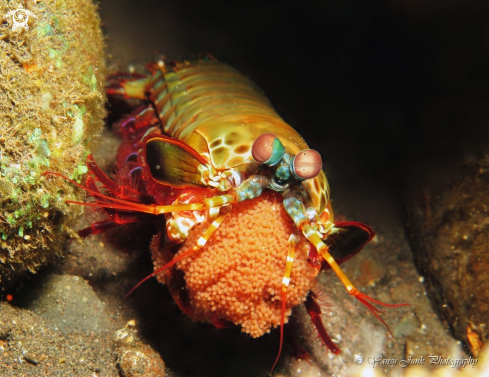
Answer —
393 94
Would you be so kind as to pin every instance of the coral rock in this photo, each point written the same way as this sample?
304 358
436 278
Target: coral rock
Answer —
449 236
52 105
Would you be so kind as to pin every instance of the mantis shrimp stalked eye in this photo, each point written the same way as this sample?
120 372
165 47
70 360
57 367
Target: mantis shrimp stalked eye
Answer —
268 149
249 222
306 164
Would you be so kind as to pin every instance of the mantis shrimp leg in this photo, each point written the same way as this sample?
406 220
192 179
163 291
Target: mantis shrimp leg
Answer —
296 210
293 242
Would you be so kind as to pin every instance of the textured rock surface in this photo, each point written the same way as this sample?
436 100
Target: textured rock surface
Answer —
449 234
52 105
67 303
29 347
134 358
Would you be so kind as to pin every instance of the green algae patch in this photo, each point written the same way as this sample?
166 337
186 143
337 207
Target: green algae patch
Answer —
51 107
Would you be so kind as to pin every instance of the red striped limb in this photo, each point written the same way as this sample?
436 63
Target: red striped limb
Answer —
121 191
115 217
323 251
293 242
105 201
118 218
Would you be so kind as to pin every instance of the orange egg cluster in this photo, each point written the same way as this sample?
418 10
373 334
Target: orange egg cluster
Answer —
237 276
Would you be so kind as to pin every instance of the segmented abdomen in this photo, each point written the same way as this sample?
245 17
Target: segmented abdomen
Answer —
190 94
218 111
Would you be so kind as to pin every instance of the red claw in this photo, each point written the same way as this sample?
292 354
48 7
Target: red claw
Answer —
367 301
314 311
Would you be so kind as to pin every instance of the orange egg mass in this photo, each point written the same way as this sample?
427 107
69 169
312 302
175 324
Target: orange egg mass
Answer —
237 275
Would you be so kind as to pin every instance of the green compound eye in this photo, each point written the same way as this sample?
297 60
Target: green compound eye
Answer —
306 164
268 149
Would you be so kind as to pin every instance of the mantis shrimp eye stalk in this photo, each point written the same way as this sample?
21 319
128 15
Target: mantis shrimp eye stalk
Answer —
268 149
306 164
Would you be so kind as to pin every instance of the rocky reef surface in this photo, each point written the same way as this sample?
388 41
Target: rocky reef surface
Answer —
448 232
52 72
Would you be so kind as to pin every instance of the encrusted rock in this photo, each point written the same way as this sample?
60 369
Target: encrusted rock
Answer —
134 358
449 235
51 106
